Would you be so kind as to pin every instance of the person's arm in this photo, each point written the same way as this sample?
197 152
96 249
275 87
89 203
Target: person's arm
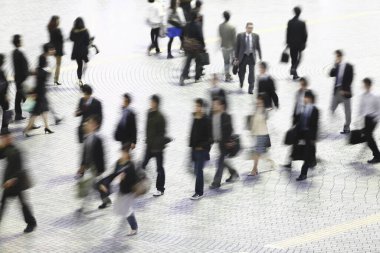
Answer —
134 129
99 111
79 112
334 71
350 74
258 47
237 47
287 34
99 154
273 92
305 32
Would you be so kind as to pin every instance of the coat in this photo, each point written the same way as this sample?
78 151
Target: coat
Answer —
267 87
241 46
227 128
81 39
3 90
312 124
95 108
296 34
201 135
40 90
20 66
56 39
155 131
127 132
96 155
348 77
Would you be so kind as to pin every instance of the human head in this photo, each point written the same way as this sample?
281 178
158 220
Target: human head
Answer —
198 4
173 4
309 97
151 1
125 149
218 104
154 102
263 66
260 101
79 23
16 41
87 91
226 16
53 23
303 83
338 56
2 60
48 49
199 105
42 62
249 27
127 99
91 124
297 11
367 82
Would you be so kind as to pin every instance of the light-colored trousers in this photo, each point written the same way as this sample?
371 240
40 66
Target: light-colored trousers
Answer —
338 99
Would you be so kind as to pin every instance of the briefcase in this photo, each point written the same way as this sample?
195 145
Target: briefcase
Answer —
235 67
285 56
357 137
291 137
203 58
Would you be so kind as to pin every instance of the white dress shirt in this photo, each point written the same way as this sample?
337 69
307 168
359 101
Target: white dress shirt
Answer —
342 68
370 106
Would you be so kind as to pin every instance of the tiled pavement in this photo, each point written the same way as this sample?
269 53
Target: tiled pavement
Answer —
335 210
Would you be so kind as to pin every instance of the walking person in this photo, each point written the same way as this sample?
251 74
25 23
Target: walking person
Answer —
200 141
176 22
222 130
227 34
296 38
266 87
21 73
88 105
215 91
247 44
155 20
126 130
344 75
155 142
15 180
4 102
81 38
370 111
41 106
197 10
257 124
186 7
56 40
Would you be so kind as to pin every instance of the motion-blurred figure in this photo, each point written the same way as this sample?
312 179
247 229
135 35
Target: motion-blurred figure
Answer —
186 7
227 34
126 130
4 102
56 40
155 20
176 22
266 87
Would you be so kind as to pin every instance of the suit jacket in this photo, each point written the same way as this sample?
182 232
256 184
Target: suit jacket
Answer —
296 34
3 89
95 108
348 76
227 34
127 132
96 155
241 46
155 131
312 124
227 128
20 65
193 30
267 87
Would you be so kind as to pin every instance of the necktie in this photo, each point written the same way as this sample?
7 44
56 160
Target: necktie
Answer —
247 44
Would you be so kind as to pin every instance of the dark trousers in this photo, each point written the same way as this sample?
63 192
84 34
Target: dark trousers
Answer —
198 66
186 7
80 63
369 127
132 221
170 44
309 155
154 33
6 115
247 60
28 216
19 99
199 157
160 182
295 55
221 165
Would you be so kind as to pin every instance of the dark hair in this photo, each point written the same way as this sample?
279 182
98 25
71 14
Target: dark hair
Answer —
151 1
46 47
367 81
95 118
155 98
248 23
221 100
173 4
264 65
198 4
79 23
304 81
199 102
16 41
126 147
310 94
2 57
86 89
339 53
226 15
128 97
53 23
297 11
42 62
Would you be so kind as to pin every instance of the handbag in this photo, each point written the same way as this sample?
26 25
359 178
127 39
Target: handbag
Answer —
29 104
357 137
235 67
291 137
191 45
203 58
284 56
235 147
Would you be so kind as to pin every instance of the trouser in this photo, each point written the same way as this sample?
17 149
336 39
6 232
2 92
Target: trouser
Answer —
171 42
369 127
250 61
80 63
309 155
186 7
199 157
58 59
221 164
27 213
295 55
198 66
132 221
227 56
19 98
154 33
160 182
5 120
337 99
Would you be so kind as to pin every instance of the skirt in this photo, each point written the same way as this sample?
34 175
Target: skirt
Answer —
41 106
174 32
124 204
262 143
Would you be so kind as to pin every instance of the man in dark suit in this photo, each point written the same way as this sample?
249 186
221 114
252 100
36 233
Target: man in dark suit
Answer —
300 94
4 103
296 37
247 44
307 130
267 87
15 180
88 105
344 75
21 72
126 130
222 130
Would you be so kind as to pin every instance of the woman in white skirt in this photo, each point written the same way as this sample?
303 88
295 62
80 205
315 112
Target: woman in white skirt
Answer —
257 124
126 197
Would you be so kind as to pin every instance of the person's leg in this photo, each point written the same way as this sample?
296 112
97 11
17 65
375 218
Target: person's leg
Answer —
30 123
170 46
151 39
199 164
58 60
80 68
147 157
299 57
294 59
28 215
5 120
256 158
251 75
226 58
242 70
160 183
219 171
198 68
18 99
185 72
369 127
2 205
347 112
156 35
132 221
335 102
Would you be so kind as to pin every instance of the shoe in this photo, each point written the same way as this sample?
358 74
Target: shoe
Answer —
132 233
301 178
345 131
296 77
106 203
30 228
253 173
214 186
19 117
289 166
232 178
196 197
182 81
58 120
57 83
197 80
250 92
36 127
374 160
170 56
158 193
48 131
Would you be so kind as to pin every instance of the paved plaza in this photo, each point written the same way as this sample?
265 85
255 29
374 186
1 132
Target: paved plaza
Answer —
337 209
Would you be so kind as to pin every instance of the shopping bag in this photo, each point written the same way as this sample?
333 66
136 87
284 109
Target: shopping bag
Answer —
29 104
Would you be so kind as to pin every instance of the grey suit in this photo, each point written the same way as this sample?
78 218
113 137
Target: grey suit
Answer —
247 56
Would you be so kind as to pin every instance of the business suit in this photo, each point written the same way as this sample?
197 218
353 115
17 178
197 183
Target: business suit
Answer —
21 72
296 37
344 75
4 103
93 154
267 88
126 130
246 55
86 109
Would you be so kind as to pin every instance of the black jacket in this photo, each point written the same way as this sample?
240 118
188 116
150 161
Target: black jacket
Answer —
56 39
20 65
81 39
3 89
296 34
96 155
312 124
155 131
95 108
226 125
201 133
267 88
348 77
130 179
193 30
127 132
241 45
